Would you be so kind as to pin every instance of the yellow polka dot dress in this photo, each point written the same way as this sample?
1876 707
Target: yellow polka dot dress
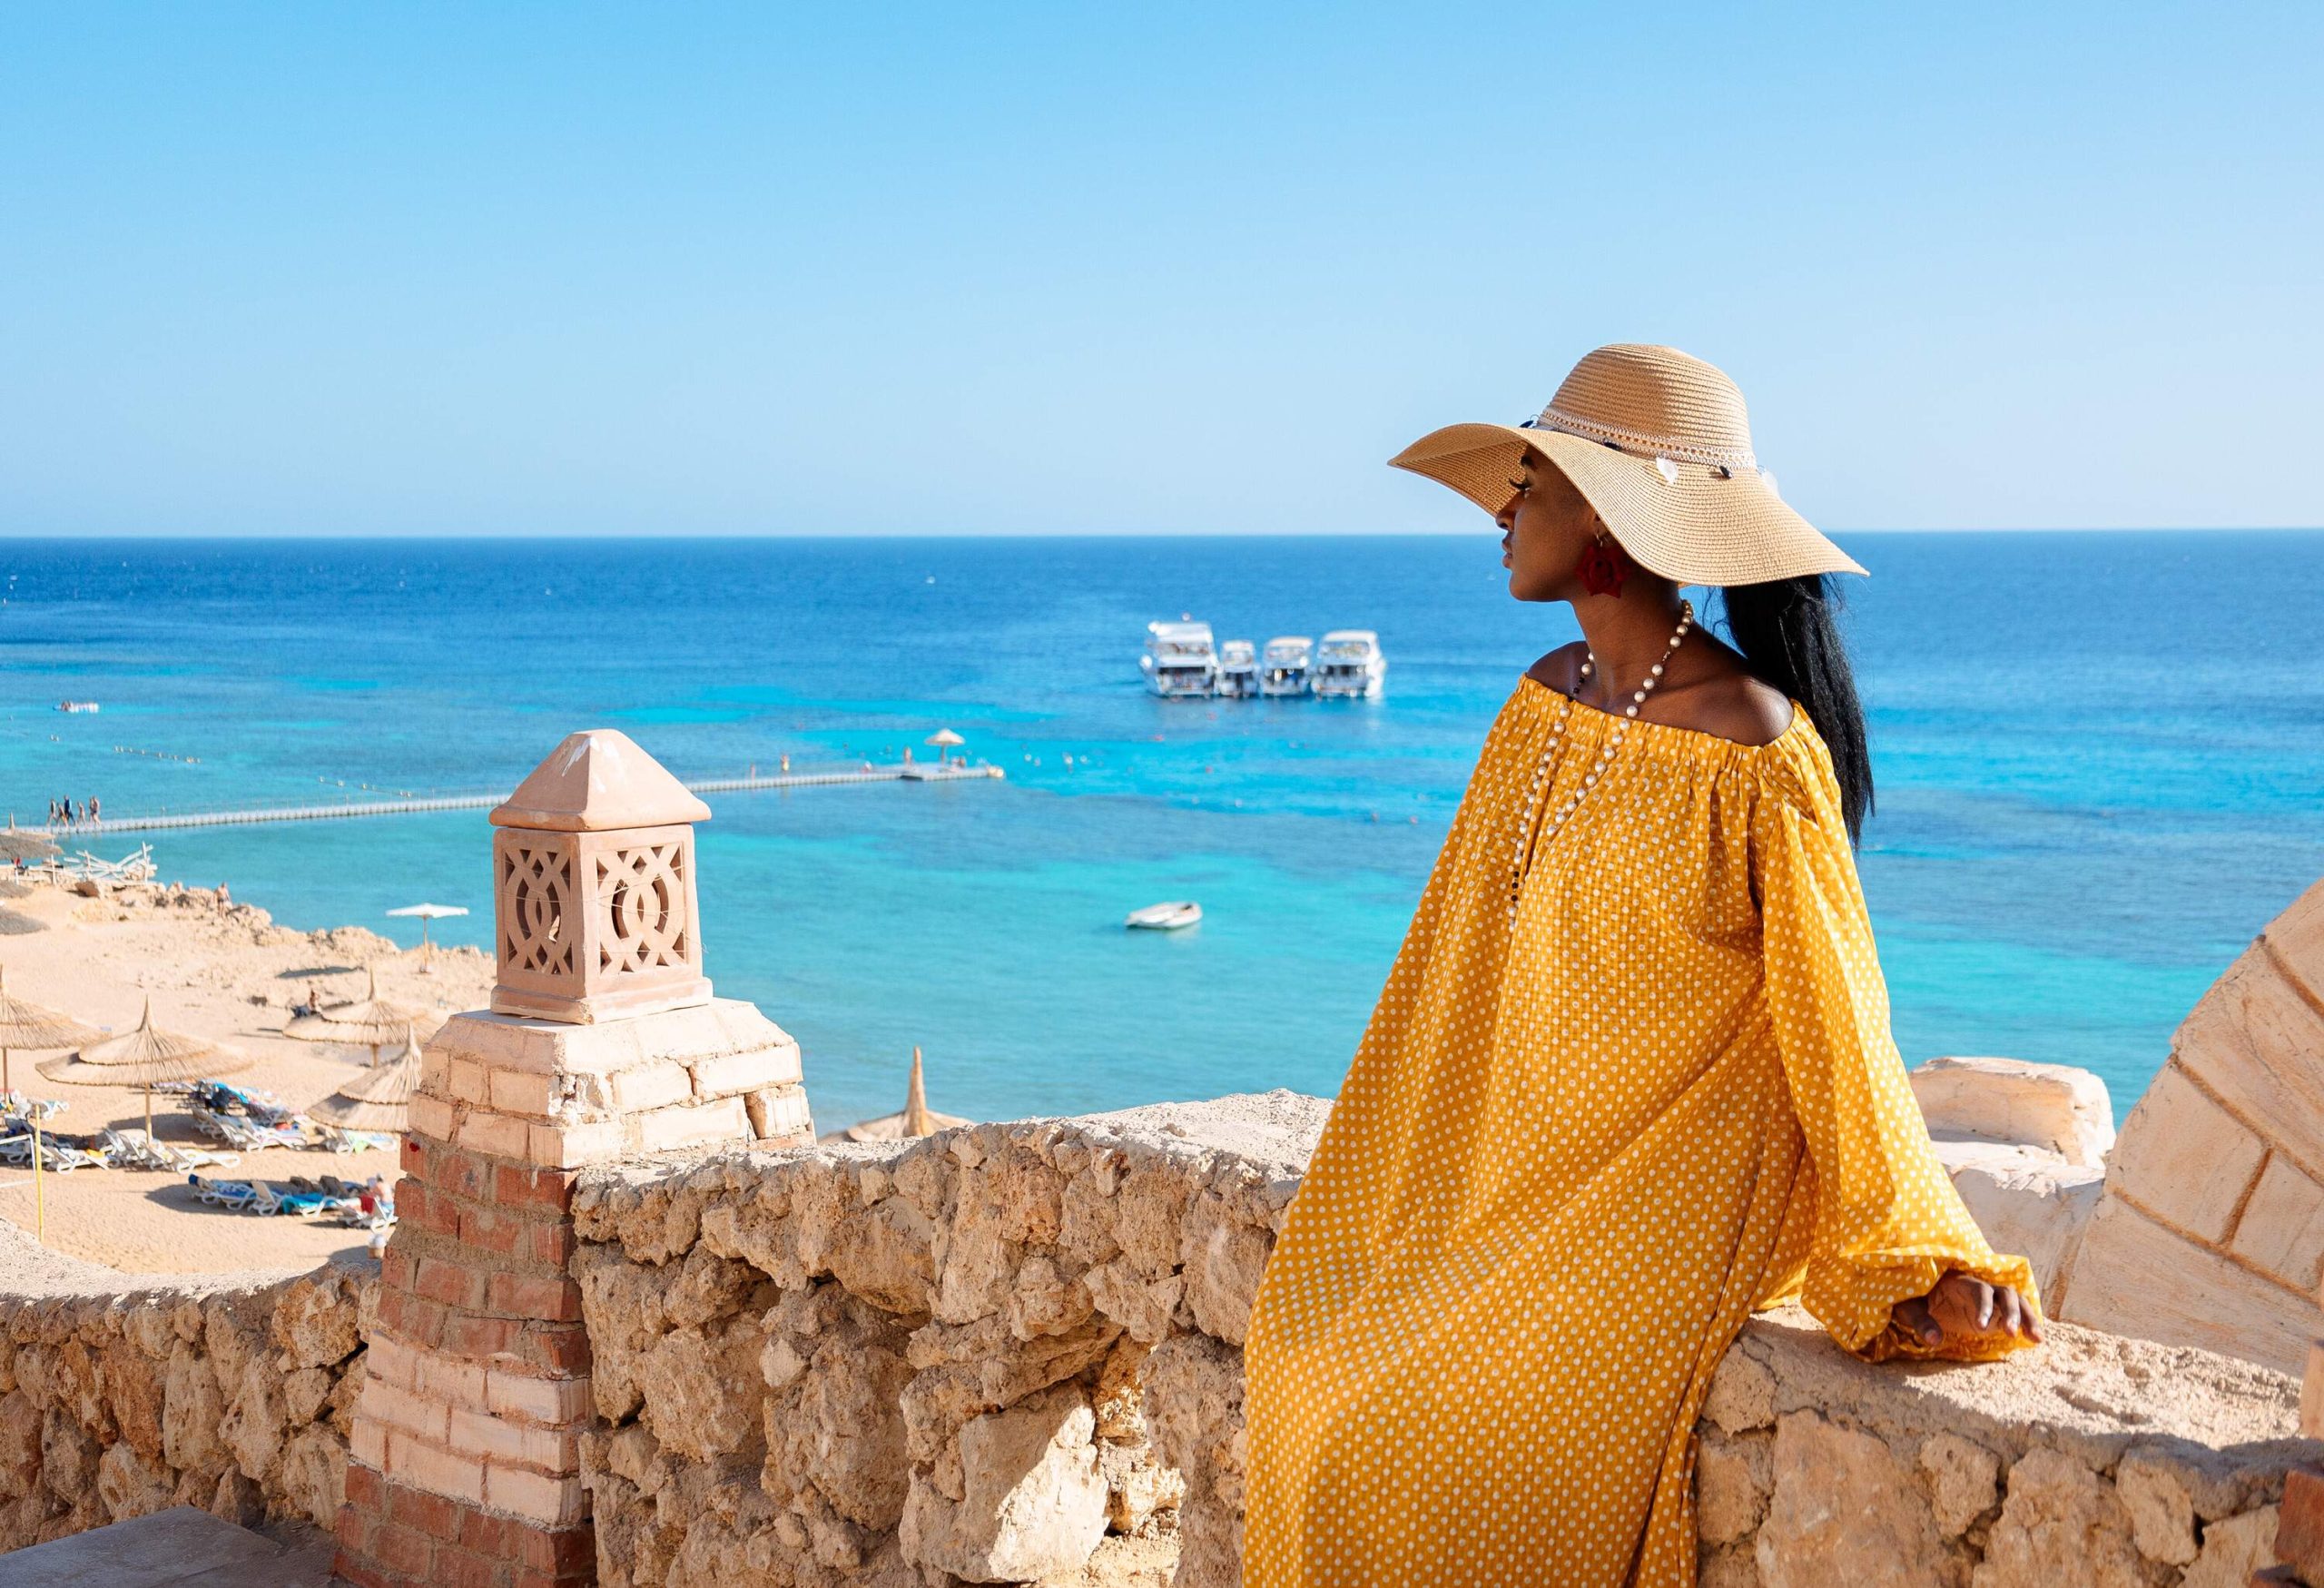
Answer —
1576 1148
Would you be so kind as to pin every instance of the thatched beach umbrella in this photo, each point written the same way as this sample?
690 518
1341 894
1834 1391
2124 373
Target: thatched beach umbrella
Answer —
145 1059
380 1097
916 1120
368 1021
28 1025
944 739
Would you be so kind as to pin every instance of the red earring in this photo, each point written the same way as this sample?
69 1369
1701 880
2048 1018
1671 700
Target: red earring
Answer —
1604 567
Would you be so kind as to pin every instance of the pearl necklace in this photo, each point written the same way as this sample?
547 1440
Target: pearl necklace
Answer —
1559 817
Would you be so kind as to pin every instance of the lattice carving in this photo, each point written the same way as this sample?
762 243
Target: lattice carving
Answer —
594 886
534 896
645 899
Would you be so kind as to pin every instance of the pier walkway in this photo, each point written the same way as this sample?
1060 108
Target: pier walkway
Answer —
166 820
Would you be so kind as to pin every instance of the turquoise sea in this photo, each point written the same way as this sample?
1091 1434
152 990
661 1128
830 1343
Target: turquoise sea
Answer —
2099 760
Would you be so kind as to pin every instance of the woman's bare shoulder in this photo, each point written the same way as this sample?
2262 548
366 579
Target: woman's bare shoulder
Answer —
1731 705
1561 669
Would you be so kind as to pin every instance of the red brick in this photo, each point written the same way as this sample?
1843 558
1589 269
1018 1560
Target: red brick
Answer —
396 1267
407 1316
402 1549
459 1568
353 1528
560 1349
496 1538
432 1514
357 1568
491 1232
550 1242
480 1339
365 1488
441 1280
460 1171
559 1549
518 1187
2299 1531
557 1300
527 1577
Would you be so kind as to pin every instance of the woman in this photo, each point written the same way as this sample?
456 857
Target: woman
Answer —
1631 1075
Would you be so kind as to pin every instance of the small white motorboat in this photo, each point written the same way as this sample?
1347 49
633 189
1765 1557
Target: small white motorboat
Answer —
1283 671
1238 669
1349 665
1170 917
1180 661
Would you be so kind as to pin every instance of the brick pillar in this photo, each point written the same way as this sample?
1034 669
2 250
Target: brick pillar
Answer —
602 1040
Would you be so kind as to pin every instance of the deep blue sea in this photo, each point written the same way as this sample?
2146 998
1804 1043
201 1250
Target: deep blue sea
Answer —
2099 756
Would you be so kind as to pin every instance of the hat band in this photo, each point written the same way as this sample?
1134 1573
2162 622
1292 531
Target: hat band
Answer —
1553 418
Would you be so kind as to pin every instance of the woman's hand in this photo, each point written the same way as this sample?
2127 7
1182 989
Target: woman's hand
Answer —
1962 1308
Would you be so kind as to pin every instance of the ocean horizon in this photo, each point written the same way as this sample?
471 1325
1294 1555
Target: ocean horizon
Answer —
2100 771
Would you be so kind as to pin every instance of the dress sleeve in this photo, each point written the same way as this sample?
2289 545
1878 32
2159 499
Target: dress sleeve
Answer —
1886 1222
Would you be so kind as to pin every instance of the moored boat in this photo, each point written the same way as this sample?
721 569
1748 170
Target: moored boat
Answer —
1284 666
1180 661
1238 669
1349 664
1166 917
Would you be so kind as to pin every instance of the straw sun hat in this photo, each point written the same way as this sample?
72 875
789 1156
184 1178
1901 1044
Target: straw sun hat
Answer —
1658 443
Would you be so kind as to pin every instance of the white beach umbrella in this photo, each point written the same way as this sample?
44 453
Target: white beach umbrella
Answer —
428 912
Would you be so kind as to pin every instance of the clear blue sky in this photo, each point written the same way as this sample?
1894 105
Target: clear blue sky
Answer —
891 267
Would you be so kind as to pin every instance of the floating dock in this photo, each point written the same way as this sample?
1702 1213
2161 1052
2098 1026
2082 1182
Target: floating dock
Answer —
903 772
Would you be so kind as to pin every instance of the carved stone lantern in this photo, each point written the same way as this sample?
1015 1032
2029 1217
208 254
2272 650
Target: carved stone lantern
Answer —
593 888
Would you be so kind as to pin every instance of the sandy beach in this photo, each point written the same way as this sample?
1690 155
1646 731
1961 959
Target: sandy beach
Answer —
220 971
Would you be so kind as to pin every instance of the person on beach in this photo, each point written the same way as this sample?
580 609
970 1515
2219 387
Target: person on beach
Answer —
1631 1076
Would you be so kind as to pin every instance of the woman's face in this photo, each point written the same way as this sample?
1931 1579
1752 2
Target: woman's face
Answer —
1545 526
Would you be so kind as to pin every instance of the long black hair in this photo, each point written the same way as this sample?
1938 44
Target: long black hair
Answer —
1790 638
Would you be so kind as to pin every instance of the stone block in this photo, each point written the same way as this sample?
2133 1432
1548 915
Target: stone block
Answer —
447 1379
431 1117
2254 1036
2185 1159
555 1502
522 1092
2136 1276
538 1400
749 1071
2053 1107
651 1086
1033 1503
2282 1227
468 1081
499 1135
573 1146
2026 1202
780 1114
440 1471
2300 1524
1843 1510
669 1130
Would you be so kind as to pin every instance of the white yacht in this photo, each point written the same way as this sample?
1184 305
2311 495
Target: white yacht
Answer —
1179 659
1349 665
1238 669
1282 670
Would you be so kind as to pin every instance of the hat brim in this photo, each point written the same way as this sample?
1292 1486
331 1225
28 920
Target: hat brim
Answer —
1699 529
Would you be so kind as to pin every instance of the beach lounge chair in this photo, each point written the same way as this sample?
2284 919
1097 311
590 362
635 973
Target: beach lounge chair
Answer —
234 1196
133 1148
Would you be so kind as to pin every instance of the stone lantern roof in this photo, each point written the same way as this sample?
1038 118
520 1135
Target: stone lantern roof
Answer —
596 782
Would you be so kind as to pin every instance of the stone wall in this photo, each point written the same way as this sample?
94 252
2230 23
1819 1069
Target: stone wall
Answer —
233 1396
2211 1231
1012 1353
